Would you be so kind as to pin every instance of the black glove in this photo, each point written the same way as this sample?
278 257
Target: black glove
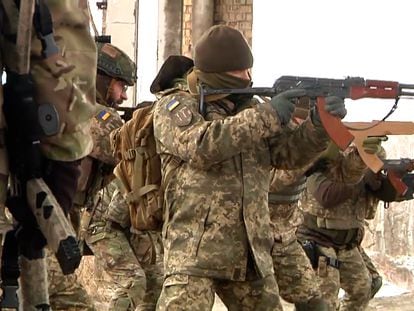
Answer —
283 104
334 105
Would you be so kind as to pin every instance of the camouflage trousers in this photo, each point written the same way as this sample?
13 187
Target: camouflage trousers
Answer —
293 272
352 276
66 293
188 292
369 264
133 264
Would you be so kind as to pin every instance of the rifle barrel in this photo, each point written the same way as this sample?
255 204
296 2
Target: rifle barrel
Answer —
406 90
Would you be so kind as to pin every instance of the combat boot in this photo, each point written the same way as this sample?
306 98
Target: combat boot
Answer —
315 304
376 284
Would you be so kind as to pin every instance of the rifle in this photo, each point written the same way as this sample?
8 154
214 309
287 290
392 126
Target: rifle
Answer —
317 89
408 179
396 171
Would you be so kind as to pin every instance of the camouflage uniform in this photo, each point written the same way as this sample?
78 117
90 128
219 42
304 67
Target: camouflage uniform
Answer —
221 242
132 260
63 80
376 278
336 204
65 291
96 171
293 271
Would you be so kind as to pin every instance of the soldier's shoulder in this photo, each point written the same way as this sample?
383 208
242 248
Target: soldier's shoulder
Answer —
106 115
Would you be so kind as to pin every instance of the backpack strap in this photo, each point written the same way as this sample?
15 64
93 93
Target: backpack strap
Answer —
135 196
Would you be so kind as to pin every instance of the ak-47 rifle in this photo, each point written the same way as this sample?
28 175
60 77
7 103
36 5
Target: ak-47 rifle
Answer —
317 89
342 133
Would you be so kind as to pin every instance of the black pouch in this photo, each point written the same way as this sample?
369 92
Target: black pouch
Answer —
311 250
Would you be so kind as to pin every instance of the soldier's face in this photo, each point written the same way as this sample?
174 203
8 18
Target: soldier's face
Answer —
117 93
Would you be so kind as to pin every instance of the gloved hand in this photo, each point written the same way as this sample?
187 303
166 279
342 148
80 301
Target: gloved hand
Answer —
372 145
334 105
283 104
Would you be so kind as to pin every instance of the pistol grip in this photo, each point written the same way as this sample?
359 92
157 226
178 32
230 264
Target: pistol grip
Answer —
333 126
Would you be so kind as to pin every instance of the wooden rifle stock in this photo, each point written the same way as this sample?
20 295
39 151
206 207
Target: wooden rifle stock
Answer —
362 130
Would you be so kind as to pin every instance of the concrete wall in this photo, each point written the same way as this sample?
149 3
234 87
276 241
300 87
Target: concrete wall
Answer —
121 25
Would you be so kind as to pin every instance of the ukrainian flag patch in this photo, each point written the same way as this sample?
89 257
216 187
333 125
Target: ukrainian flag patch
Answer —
104 115
172 104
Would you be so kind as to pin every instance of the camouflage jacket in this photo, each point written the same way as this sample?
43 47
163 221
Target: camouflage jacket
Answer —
338 196
216 200
111 206
62 79
96 168
285 215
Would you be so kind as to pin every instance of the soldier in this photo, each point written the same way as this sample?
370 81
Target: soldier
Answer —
217 228
293 271
131 258
59 79
115 72
339 196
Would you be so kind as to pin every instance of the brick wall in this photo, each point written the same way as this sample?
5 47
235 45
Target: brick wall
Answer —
235 13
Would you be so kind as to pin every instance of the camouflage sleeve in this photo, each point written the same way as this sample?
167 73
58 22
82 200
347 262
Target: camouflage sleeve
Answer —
181 131
283 178
348 167
298 147
329 193
118 208
104 122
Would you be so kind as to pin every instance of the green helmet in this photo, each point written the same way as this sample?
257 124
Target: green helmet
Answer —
115 63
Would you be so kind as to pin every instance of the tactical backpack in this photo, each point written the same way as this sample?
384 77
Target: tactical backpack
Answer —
139 168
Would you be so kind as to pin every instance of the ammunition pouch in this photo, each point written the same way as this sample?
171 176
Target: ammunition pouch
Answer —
312 251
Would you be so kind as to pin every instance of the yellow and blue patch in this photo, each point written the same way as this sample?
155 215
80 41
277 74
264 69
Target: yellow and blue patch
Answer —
103 115
172 104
